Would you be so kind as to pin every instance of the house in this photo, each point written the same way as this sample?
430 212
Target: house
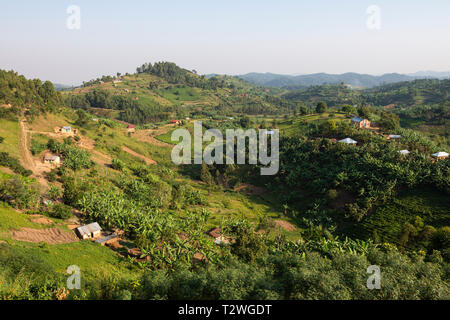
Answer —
404 152
89 231
348 141
131 128
175 121
95 119
52 159
218 237
360 122
66 129
440 155
394 136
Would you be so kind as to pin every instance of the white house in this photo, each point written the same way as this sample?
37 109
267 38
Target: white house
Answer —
404 152
348 141
440 155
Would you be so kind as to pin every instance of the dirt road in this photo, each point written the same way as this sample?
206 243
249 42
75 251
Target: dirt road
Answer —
25 153
148 135
138 155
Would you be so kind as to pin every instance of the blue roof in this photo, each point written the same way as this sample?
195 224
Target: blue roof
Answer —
357 119
66 127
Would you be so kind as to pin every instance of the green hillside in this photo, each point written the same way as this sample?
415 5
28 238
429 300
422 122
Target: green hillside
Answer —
331 209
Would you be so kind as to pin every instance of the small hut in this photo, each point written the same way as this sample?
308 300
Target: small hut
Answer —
89 231
360 122
348 141
52 159
440 155
131 128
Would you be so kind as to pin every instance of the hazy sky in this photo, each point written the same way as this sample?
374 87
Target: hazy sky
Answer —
232 37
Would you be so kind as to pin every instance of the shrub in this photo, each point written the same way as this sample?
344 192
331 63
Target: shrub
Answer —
117 164
60 211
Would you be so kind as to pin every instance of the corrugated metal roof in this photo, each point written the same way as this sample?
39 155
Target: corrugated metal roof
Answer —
348 141
440 154
357 119
89 228
104 239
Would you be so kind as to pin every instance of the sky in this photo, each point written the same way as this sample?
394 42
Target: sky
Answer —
224 37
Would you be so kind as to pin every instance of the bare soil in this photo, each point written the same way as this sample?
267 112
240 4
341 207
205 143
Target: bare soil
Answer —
40 219
285 225
50 236
247 188
148 135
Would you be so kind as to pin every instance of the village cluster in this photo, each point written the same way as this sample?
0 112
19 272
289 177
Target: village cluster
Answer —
365 124
115 239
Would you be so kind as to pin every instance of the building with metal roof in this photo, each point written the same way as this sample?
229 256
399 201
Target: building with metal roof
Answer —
440 155
348 141
360 122
91 230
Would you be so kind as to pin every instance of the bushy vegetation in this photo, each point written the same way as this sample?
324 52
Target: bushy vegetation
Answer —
20 92
74 158
7 161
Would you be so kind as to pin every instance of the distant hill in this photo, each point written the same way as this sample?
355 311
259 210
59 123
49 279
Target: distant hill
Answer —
350 78
61 87
430 74
402 94
163 90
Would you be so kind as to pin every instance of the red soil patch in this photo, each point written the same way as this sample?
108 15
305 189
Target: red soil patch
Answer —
37 218
50 236
247 188
285 225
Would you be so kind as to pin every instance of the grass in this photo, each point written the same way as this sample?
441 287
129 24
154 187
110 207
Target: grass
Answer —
48 122
38 143
11 219
292 127
9 130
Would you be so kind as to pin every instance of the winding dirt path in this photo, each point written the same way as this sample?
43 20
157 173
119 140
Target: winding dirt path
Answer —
25 153
138 155
148 135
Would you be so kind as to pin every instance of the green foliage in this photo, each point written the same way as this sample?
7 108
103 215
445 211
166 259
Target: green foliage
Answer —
7 161
117 164
310 276
321 107
20 193
74 158
20 92
60 211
